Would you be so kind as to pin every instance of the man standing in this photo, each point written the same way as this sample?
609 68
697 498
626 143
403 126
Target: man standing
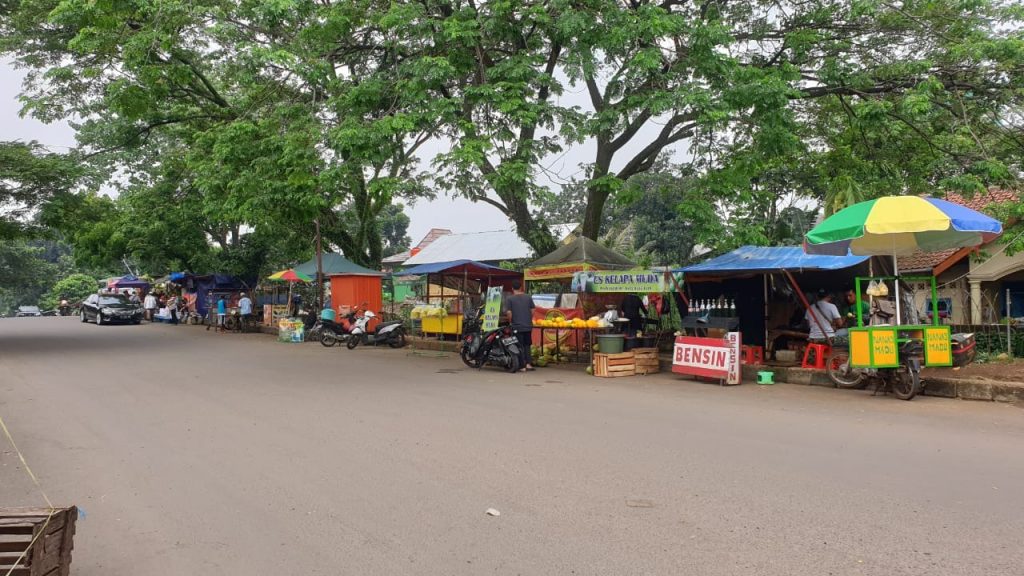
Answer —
150 306
172 308
824 319
245 310
519 311
222 312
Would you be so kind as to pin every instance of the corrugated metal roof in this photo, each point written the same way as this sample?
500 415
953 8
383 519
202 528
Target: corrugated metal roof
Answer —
477 246
770 259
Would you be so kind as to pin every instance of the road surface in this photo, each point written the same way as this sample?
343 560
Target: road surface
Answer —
192 452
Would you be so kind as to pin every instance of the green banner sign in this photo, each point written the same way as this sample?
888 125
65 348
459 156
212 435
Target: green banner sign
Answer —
640 280
492 308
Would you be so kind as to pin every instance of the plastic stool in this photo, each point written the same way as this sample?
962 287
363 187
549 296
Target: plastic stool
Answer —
753 355
765 377
821 351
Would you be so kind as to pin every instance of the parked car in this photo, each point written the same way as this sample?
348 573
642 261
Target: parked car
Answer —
110 308
28 311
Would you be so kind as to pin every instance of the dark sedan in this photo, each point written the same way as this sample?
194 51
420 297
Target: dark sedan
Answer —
110 308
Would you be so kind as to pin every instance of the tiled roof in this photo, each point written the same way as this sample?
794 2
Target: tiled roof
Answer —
927 261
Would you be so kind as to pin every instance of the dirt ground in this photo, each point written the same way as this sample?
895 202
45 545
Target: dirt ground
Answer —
1002 371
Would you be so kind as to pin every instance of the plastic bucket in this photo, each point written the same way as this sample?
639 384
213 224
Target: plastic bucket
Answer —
611 343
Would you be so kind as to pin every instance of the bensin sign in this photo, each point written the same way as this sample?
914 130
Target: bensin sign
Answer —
708 357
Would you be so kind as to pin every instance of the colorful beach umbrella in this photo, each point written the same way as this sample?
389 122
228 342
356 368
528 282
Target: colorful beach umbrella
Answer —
900 225
289 276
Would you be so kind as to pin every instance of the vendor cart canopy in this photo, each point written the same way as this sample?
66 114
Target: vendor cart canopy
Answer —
334 264
579 255
770 259
129 281
468 268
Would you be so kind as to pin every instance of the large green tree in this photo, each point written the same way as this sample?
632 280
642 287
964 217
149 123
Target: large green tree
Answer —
714 79
30 177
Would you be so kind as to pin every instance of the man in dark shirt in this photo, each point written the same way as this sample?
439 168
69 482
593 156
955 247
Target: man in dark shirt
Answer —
519 312
632 306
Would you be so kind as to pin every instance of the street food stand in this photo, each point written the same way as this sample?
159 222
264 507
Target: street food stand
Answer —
740 291
448 284
900 225
571 266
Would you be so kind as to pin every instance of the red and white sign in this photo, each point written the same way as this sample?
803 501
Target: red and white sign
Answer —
708 357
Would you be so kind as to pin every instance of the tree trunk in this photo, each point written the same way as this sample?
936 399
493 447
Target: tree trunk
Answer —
594 213
533 232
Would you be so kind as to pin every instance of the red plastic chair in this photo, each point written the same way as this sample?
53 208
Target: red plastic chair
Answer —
820 353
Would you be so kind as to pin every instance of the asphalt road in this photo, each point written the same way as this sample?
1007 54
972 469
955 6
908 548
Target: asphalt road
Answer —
192 452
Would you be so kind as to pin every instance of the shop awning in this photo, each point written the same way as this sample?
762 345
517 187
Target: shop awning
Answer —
459 268
755 259
333 265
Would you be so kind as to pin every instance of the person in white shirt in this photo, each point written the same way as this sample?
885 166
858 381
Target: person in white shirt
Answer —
824 315
245 307
150 305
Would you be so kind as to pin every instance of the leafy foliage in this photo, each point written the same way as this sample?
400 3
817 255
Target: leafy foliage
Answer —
74 288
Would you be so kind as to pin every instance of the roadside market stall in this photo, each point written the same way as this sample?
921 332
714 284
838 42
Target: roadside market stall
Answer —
898 225
572 271
754 290
449 285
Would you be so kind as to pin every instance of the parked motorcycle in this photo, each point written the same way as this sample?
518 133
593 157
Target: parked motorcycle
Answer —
904 380
495 347
392 333
331 332
64 309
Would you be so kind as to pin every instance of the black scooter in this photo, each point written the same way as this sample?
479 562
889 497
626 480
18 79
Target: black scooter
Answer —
495 347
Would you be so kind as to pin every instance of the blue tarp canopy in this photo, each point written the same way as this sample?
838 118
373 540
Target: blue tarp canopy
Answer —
129 281
756 259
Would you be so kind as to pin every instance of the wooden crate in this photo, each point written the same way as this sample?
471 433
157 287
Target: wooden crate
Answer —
646 360
51 542
614 365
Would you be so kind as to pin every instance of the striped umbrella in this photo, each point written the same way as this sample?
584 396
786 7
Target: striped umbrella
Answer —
900 225
289 275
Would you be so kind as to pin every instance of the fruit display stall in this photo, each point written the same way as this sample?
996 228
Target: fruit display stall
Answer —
449 286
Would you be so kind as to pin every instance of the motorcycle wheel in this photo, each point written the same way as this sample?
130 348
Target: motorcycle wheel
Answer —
513 364
328 338
397 339
905 383
353 341
837 365
468 358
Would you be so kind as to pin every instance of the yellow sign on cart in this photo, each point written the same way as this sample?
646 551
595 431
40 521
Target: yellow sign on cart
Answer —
874 347
938 350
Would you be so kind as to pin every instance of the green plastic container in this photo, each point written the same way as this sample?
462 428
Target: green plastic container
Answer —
611 343
765 377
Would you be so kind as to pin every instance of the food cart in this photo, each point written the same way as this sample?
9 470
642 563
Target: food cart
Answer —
899 225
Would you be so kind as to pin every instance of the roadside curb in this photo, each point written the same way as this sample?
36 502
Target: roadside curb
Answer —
963 388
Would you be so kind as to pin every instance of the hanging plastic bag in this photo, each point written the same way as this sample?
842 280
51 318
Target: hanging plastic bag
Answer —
883 290
872 288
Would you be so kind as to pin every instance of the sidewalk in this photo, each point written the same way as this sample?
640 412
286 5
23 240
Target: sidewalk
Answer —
940 386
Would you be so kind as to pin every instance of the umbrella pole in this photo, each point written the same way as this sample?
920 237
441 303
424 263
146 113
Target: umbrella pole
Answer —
896 273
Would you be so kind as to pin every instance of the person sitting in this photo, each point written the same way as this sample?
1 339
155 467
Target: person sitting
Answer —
826 324
850 312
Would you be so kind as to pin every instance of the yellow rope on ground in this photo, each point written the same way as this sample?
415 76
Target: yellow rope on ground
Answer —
35 481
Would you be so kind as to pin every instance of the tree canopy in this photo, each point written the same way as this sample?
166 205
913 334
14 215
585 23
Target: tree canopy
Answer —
221 121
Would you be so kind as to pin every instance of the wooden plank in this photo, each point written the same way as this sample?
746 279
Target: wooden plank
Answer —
17 546
618 374
629 368
622 362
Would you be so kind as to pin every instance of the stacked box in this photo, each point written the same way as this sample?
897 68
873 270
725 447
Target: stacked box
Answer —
614 365
646 360
36 541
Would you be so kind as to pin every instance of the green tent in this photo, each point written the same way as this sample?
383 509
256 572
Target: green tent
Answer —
335 264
